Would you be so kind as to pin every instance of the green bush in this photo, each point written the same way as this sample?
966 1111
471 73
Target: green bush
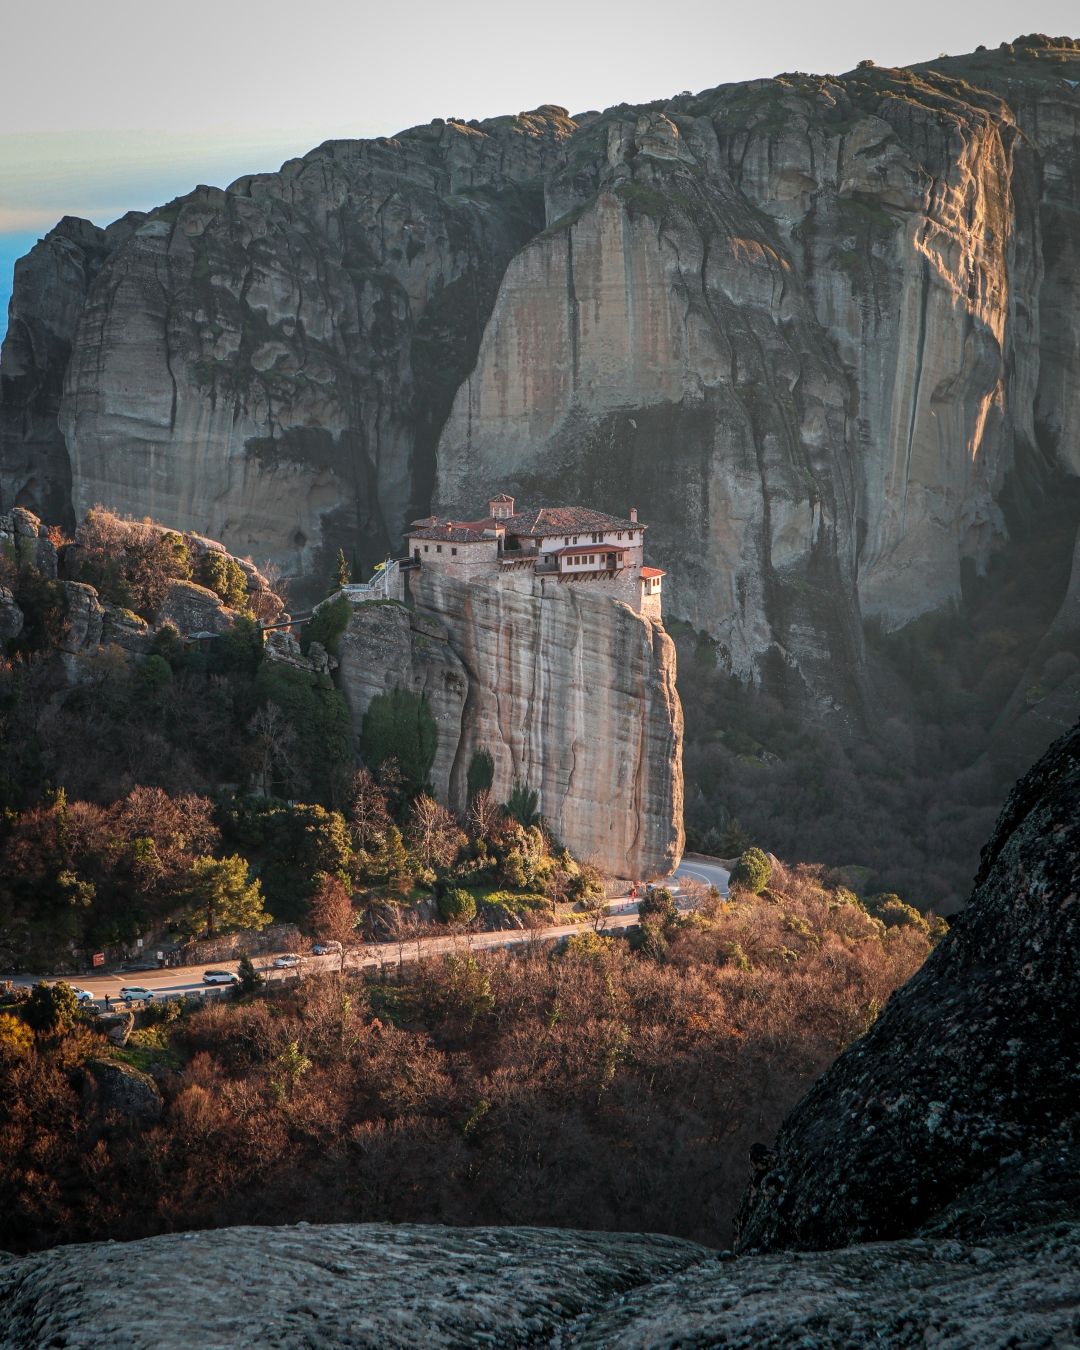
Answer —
481 773
522 805
751 872
400 725
457 905
225 577
319 716
50 1008
896 913
658 907
327 625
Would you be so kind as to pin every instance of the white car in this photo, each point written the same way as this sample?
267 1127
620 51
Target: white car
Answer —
220 977
326 948
83 995
136 991
286 962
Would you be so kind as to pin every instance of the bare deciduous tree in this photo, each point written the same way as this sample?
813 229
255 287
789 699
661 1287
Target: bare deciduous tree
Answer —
368 815
433 833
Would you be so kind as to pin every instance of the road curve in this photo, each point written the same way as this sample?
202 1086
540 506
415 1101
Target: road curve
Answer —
177 981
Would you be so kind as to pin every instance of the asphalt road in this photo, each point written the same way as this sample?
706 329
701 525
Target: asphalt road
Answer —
696 868
175 981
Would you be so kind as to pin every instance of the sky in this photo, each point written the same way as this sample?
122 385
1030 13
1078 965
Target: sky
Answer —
122 105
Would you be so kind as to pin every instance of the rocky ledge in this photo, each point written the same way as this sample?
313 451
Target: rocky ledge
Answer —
403 1286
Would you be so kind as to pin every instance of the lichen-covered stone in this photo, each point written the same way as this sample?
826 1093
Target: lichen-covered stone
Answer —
973 1067
339 1285
124 1090
11 617
385 1287
84 621
191 608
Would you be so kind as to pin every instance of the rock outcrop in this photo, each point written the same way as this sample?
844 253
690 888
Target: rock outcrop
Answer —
381 1287
119 1089
824 327
570 692
24 540
969 1082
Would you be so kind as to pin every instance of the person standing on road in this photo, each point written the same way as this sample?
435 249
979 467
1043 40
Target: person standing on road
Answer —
106 1003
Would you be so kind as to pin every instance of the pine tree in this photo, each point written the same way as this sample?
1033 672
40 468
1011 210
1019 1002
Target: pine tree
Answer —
395 860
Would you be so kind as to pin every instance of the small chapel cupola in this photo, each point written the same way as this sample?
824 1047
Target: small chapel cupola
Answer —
501 507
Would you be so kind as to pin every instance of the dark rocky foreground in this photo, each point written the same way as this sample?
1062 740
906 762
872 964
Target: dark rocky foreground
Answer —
951 1130
386 1286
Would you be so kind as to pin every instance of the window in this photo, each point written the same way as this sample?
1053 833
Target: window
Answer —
427 548
453 552
575 538
438 548
566 540
620 534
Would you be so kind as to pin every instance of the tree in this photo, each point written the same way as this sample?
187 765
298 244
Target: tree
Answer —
522 804
290 1066
51 1008
457 905
434 836
484 816
896 913
16 1038
342 572
400 724
327 625
250 979
751 872
394 862
658 907
225 577
368 816
734 839
273 749
220 891
481 773
594 902
331 913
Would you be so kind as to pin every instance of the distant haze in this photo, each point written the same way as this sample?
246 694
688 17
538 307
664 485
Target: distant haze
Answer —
123 105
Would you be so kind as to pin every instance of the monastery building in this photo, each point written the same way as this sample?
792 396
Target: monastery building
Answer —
559 545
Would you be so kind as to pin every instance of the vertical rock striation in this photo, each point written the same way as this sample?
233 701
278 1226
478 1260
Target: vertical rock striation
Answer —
570 692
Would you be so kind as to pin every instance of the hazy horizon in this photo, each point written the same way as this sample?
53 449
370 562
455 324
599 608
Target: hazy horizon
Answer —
139 113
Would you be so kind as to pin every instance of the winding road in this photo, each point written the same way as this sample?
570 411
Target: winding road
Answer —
173 982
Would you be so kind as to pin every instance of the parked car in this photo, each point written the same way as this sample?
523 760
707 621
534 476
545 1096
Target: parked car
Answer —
325 948
220 977
286 962
136 991
83 995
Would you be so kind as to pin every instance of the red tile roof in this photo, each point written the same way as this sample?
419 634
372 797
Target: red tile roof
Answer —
454 534
653 572
543 522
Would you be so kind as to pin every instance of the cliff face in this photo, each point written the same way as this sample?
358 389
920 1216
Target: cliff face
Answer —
270 364
819 326
570 692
